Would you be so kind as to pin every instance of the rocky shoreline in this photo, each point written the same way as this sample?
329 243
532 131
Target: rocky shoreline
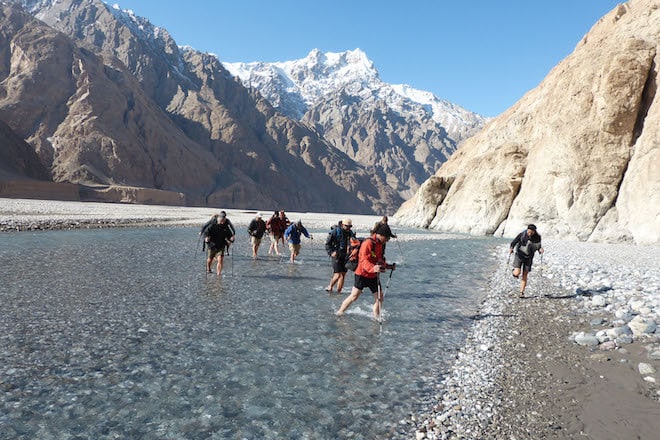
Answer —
579 357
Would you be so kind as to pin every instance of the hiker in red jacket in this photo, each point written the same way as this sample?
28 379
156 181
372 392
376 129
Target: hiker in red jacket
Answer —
371 264
276 225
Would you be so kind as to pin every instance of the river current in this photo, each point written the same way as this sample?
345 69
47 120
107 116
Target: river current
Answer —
120 333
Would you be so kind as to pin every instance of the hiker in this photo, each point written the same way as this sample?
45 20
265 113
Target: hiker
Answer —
256 230
285 223
336 245
527 242
212 221
370 264
383 222
217 237
276 228
292 235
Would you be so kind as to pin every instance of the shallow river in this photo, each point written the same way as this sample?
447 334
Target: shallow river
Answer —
119 333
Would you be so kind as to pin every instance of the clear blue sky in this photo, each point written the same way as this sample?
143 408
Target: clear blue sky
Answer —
482 55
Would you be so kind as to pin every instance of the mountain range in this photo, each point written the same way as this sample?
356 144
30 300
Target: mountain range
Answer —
402 132
111 106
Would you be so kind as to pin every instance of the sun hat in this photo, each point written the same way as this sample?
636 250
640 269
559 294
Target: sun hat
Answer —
347 221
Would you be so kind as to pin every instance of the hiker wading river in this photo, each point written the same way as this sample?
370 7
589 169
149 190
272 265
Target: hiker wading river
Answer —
218 236
370 264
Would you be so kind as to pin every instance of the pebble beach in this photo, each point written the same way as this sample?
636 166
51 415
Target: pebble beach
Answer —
578 357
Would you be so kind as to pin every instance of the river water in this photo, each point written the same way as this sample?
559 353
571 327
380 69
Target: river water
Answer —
120 333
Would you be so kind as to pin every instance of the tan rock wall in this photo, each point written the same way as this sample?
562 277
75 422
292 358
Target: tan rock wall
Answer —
578 155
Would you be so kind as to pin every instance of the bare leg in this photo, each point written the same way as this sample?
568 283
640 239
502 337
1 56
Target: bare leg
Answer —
350 299
221 260
340 281
333 281
208 264
378 301
523 283
255 248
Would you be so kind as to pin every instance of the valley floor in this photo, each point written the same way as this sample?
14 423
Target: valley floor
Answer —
578 357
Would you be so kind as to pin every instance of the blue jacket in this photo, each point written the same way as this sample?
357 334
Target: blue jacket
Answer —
292 233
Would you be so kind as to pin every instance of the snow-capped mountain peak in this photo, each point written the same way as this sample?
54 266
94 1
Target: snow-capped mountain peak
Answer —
293 87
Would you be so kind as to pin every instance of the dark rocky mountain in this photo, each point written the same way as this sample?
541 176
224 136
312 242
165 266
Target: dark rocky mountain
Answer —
111 103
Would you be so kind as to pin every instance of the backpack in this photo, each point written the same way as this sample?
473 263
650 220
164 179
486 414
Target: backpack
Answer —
353 255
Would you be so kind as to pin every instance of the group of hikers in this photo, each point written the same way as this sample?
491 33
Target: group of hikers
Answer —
219 234
366 257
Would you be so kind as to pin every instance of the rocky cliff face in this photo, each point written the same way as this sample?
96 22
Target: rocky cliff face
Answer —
579 155
105 98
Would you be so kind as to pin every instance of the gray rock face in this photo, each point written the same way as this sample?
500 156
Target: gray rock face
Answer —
578 155
110 101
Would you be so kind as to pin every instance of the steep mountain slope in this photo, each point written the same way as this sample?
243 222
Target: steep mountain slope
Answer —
403 133
579 155
244 154
17 157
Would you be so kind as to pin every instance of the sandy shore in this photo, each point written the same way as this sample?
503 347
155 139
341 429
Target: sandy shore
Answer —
577 358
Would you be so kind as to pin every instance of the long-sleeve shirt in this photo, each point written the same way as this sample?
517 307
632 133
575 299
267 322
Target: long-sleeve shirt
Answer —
292 233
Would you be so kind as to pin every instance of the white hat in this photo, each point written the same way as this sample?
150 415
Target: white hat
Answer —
259 215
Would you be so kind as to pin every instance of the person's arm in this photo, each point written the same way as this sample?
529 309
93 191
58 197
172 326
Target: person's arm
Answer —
329 243
514 242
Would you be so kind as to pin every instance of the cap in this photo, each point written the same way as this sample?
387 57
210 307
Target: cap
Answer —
384 230
532 227
259 215
347 221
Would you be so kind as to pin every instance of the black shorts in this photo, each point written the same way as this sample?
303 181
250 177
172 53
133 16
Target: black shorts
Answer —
339 264
362 282
524 263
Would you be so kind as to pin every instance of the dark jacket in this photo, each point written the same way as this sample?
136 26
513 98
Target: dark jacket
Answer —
219 236
257 228
526 245
338 241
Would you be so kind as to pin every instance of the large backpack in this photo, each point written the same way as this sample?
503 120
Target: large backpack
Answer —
353 255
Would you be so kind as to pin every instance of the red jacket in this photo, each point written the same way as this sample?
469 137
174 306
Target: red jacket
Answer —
371 254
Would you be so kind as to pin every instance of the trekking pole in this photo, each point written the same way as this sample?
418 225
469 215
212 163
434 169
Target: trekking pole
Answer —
403 257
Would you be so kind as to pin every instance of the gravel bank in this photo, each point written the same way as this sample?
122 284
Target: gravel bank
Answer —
577 358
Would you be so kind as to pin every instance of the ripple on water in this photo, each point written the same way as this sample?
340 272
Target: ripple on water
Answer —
121 333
